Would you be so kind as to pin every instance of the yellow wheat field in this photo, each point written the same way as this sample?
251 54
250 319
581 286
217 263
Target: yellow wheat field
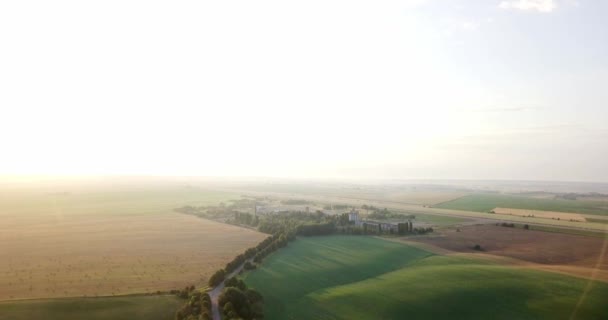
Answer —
42 257
73 240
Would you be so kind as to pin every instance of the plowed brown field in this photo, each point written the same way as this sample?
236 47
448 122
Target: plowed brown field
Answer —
574 254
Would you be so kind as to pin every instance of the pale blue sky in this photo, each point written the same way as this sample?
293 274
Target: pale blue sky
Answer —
492 89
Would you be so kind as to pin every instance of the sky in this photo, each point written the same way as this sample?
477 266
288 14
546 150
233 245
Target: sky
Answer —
389 89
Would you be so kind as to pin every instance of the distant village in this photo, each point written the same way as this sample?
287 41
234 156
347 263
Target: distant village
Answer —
355 219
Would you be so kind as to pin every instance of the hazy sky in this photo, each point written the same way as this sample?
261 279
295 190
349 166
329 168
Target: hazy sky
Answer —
486 89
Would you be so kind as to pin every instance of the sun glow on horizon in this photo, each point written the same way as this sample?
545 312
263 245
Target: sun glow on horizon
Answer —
318 88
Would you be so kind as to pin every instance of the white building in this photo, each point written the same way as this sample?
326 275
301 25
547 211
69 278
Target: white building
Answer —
353 216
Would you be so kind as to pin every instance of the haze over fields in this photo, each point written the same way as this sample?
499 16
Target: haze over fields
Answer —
350 89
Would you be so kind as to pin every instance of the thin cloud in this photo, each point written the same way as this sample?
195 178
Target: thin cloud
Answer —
543 6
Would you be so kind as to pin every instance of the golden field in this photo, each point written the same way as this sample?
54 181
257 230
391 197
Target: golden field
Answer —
73 241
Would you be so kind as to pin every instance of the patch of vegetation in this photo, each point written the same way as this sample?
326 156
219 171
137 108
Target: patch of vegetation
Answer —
336 206
239 302
221 211
161 307
482 202
249 266
198 306
508 225
276 223
267 223
385 214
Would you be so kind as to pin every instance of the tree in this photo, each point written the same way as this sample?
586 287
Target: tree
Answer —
217 278
256 302
228 310
179 315
234 296
206 307
254 296
237 283
249 266
237 300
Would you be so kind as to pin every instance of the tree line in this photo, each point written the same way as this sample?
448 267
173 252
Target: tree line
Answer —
385 214
245 218
257 253
316 229
336 206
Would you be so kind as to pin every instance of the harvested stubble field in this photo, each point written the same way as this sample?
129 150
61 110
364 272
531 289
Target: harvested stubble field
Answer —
110 242
575 254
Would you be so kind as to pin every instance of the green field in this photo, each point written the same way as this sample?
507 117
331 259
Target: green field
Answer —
115 308
344 277
482 202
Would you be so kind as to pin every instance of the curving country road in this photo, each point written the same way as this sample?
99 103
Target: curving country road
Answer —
215 293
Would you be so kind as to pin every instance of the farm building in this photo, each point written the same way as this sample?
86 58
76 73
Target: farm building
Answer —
386 227
380 227
353 216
